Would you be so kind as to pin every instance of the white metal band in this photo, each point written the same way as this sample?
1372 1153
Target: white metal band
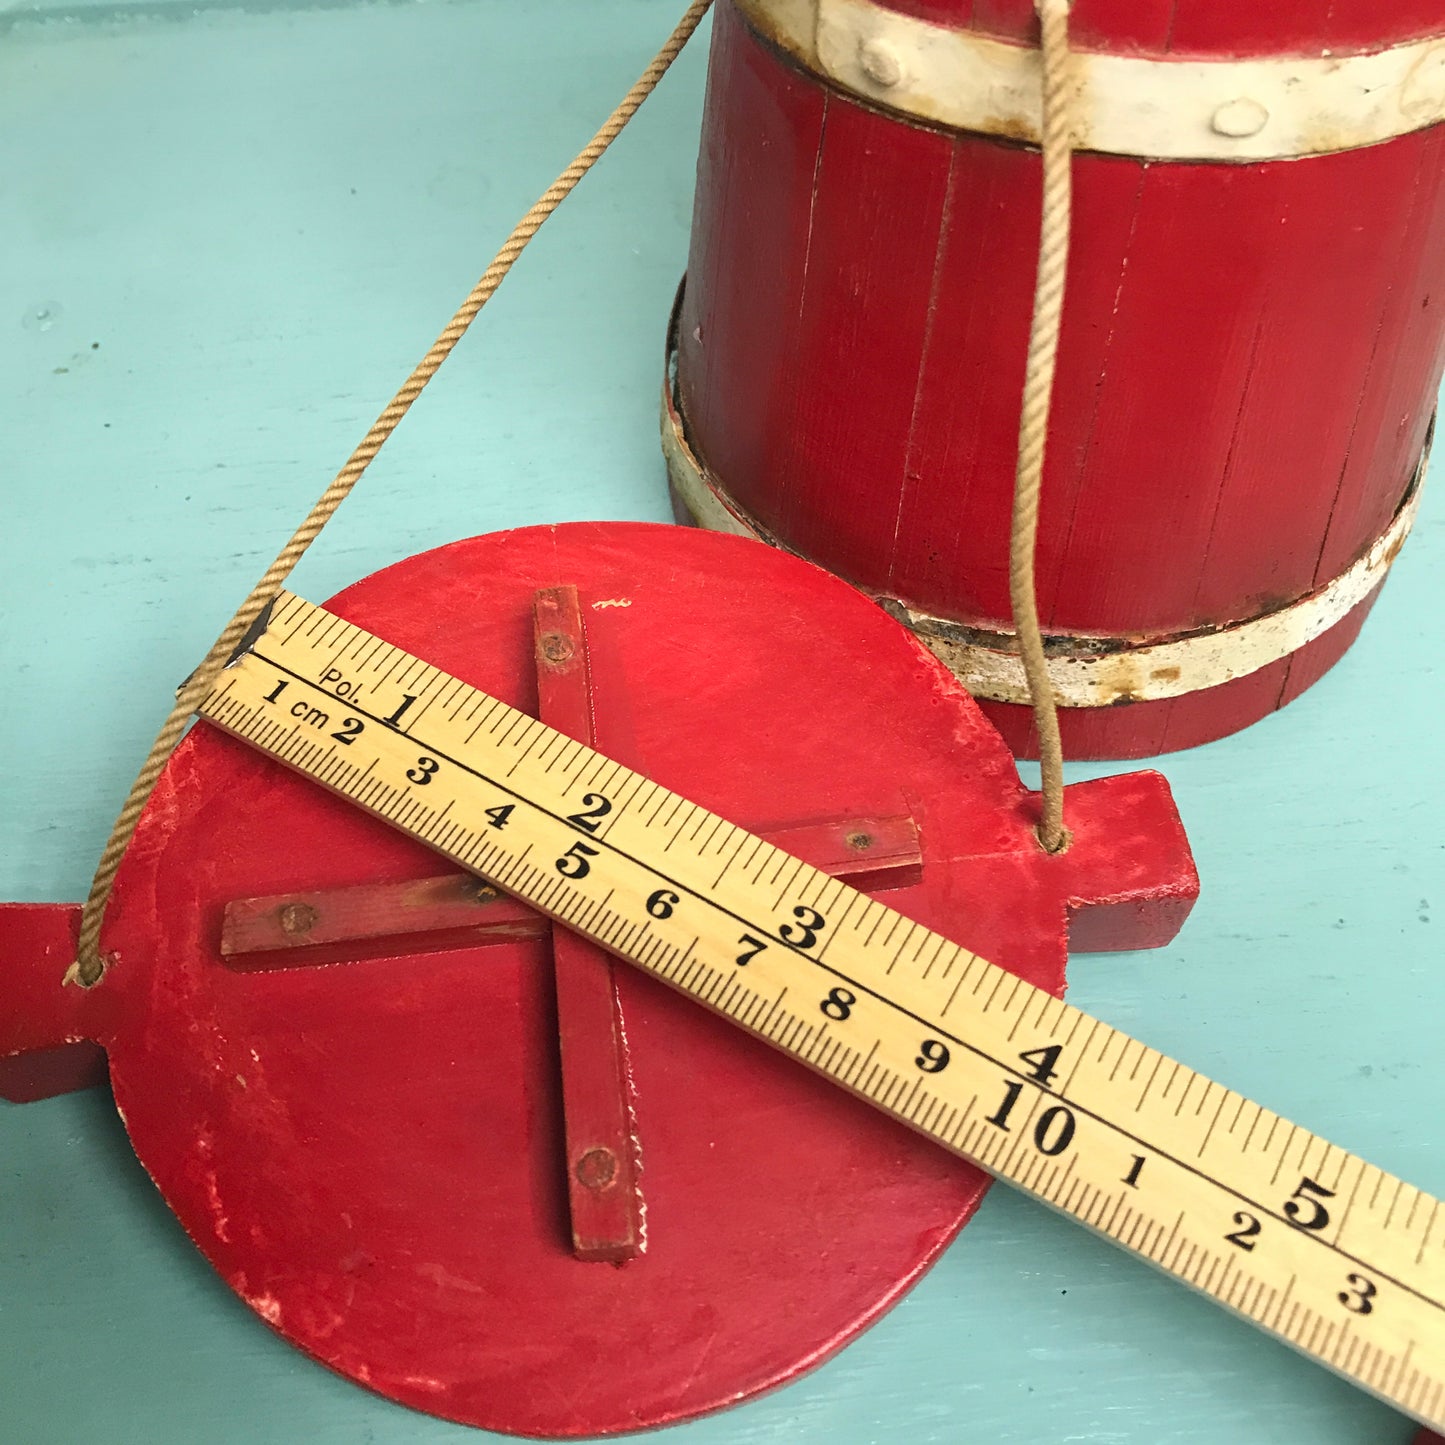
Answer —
1257 108
1086 671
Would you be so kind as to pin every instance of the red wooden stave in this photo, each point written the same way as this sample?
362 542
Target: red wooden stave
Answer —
370 1153
1248 359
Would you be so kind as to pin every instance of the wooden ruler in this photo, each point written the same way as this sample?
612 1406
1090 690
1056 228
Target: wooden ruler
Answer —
1309 1242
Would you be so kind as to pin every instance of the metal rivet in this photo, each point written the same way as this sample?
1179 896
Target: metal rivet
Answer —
1239 118
298 918
597 1168
879 62
556 646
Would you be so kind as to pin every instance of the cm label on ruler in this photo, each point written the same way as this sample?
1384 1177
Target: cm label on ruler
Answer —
1308 1241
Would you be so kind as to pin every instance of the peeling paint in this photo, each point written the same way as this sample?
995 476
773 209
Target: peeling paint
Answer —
1088 670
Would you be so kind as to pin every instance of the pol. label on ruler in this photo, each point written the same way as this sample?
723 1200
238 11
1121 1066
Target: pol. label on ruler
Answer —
1313 1244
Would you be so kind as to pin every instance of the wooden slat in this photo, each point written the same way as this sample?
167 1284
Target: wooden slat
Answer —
865 313
283 930
283 923
739 346
599 1118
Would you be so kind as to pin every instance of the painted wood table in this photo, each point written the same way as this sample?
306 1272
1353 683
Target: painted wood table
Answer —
228 234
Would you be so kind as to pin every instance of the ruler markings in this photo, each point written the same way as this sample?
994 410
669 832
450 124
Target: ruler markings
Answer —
554 746
1267 1146
999 980
1349 1204
836 921
1414 1203
902 945
956 1123
1124 1046
750 1016
531 734
1394 1200
1149 1082
1022 1017
1083 1051
731 995
1137 1224
939 945
387 675
874 907
364 649
1098 1107
1434 1211
786 890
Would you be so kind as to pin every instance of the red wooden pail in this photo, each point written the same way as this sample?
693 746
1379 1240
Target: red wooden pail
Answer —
1251 344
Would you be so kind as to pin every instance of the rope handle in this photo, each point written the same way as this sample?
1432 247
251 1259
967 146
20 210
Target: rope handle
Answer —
89 968
1060 94
1058 99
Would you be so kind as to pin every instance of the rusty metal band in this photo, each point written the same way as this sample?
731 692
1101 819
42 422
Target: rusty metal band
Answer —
1247 109
1084 670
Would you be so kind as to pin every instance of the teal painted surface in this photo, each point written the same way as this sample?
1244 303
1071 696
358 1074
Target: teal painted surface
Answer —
226 237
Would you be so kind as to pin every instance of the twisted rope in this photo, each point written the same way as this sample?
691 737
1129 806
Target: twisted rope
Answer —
1059 92
89 967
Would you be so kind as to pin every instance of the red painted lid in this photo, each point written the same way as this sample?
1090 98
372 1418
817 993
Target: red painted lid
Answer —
370 1151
